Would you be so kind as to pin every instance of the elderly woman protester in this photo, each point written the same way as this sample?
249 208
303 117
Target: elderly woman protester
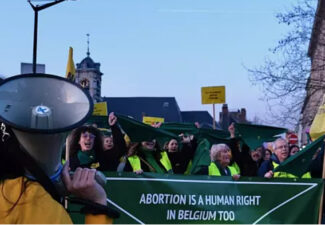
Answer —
220 160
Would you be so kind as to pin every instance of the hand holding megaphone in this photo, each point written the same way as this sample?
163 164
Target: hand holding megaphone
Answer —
82 183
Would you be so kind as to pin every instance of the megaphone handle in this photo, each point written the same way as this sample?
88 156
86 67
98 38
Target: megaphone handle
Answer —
99 177
94 208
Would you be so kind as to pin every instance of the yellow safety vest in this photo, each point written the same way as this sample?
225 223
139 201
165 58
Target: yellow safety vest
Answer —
188 168
235 167
214 171
136 164
287 175
166 162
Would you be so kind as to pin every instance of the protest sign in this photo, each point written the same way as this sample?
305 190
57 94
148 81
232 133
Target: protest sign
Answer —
100 109
173 199
152 120
213 95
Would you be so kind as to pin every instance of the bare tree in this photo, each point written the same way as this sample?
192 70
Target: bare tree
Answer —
284 75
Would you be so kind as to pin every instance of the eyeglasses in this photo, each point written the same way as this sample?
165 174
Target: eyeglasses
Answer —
282 147
88 135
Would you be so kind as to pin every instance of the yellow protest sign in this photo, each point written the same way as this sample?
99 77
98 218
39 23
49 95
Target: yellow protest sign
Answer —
213 95
100 109
152 120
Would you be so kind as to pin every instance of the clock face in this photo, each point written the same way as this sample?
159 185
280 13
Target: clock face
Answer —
84 83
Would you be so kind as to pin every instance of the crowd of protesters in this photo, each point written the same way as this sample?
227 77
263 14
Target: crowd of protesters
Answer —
26 190
88 148
234 158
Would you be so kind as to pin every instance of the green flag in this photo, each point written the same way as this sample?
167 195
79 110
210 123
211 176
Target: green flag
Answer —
201 156
105 131
299 163
100 121
178 128
138 131
255 135
213 136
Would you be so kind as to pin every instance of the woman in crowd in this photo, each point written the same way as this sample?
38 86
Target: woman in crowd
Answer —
147 157
220 160
293 149
114 147
180 158
85 147
248 160
267 154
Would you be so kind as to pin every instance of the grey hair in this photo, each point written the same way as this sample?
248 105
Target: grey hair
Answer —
216 148
277 140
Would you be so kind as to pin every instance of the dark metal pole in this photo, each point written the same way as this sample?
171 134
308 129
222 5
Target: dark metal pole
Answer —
35 41
36 9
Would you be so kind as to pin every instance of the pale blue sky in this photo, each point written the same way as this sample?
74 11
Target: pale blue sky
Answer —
151 47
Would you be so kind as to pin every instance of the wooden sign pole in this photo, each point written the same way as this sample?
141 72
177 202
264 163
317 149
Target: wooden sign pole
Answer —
214 117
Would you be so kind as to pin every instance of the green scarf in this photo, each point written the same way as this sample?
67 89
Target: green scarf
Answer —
86 157
150 158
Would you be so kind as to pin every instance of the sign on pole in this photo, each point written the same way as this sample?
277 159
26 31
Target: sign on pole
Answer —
213 95
292 139
152 120
100 109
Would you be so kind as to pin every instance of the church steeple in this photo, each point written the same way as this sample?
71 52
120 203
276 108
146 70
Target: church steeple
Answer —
88 53
88 75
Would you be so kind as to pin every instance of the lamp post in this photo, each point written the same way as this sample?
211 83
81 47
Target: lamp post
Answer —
36 9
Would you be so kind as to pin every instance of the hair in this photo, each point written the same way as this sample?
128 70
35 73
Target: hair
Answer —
8 163
266 150
293 146
261 149
167 143
277 140
8 145
156 153
216 148
75 137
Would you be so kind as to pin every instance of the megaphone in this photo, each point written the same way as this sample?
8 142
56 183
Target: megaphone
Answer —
41 109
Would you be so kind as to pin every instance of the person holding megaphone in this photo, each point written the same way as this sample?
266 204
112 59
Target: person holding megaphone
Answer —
23 200
36 112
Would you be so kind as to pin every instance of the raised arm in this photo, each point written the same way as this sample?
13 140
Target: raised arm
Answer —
118 138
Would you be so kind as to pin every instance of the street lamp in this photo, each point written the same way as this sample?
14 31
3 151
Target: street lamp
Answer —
36 9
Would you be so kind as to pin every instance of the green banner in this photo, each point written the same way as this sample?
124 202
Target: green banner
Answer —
173 199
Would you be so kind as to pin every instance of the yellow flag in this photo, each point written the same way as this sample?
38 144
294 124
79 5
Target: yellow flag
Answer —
71 70
317 128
